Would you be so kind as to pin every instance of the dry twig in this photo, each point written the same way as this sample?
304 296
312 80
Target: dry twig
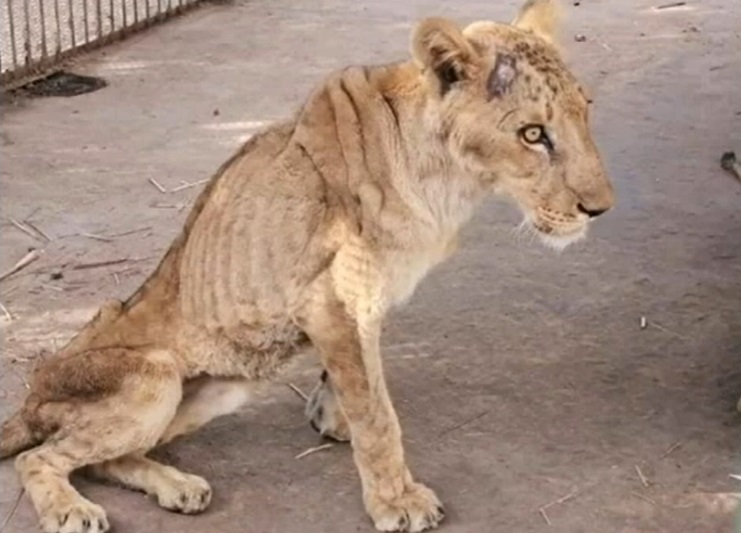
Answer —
188 185
180 206
96 237
12 509
26 260
125 233
9 291
643 497
37 229
159 187
463 423
643 479
667 330
314 450
560 500
671 448
6 312
52 287
23 228
128 270
98 264
301 394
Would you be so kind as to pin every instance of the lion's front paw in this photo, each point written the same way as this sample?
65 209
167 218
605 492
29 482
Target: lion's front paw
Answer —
184 493
416 509
75 516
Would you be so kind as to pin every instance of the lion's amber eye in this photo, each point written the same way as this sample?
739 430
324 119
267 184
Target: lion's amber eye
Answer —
532 134
535 134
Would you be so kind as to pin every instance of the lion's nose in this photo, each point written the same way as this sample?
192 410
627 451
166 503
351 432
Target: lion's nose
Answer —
592 213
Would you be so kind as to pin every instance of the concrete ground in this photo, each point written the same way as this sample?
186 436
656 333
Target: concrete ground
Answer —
521 377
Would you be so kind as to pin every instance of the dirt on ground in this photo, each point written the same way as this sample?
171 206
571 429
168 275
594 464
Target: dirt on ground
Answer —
590 391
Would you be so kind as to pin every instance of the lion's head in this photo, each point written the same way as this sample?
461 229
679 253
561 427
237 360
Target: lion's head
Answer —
515 118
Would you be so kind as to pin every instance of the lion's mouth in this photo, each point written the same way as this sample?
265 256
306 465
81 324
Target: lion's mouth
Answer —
544 228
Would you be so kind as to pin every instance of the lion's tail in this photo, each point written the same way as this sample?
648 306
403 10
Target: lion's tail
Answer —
16 436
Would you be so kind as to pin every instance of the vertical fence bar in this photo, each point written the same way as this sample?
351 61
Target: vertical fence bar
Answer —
123 7
146 9
27 33
112 16
71 22
11 24
42 14
58 33
86 21
99 17
136 12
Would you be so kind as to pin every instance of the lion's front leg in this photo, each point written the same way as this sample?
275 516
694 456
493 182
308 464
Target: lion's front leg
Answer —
349 350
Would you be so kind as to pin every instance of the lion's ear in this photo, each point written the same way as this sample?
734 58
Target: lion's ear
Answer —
540 17
439 45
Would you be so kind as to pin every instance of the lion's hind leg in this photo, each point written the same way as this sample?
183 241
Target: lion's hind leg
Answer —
204 399
174 490
105 405
325 413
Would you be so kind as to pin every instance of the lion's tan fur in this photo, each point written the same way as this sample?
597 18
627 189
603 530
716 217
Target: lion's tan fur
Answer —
309 234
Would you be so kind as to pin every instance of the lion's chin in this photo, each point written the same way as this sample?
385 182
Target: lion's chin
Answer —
557 238
560 242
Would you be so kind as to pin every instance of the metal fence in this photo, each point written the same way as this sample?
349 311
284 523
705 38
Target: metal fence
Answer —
36 35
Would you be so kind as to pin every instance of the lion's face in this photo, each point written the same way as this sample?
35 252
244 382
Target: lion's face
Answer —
515 119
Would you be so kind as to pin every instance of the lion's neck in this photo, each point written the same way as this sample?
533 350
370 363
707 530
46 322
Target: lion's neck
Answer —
425 177
371 135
